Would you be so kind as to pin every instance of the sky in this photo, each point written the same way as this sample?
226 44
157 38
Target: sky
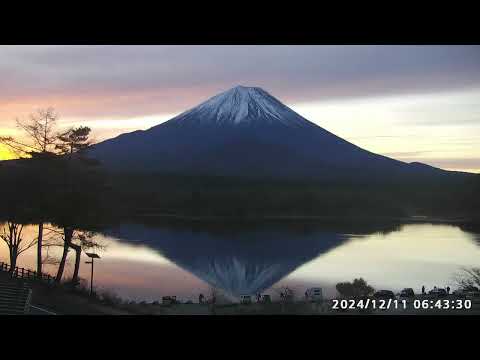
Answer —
412 103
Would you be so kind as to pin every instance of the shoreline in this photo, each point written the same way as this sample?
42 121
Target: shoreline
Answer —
411 219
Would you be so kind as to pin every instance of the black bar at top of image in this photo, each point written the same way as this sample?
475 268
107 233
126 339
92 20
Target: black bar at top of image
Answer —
135 25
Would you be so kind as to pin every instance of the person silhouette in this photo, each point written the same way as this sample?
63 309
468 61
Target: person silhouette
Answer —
448 289
423 290
200 299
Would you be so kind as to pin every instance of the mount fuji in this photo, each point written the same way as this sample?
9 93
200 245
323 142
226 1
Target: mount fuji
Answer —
246 132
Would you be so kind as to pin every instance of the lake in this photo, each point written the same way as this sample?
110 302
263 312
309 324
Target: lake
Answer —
148 261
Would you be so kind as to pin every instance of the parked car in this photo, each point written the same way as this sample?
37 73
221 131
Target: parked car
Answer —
407 293
266 299
384 294
439 292
245 299
471 292
287 295
314 294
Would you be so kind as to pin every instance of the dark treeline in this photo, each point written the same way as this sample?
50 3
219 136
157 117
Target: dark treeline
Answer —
55 190
235 226
450 196
79 192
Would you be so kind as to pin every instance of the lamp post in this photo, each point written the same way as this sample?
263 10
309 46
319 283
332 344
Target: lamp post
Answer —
91 256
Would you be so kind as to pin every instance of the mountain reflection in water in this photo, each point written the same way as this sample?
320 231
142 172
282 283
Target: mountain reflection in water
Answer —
240 258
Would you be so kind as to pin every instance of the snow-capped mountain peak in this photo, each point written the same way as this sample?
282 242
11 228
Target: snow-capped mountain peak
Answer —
241 105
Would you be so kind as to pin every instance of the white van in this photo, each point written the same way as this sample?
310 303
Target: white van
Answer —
169 300
314 294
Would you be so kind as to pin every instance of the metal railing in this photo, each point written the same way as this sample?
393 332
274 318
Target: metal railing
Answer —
29 275
26 274
41 310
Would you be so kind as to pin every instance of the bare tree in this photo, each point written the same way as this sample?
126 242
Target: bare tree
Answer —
11 234
469 278
40 129
18 148
77 240
82 240
67 239
51 239
41 137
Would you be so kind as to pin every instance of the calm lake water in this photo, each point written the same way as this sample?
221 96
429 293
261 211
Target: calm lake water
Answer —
146 262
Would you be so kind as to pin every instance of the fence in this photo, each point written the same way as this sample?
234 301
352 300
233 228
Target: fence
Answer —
26 274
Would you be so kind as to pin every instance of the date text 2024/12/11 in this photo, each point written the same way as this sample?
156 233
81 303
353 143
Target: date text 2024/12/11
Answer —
387 304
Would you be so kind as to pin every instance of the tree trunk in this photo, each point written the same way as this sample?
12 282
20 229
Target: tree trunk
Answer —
13 259
39 249
68 233
78 253
61 266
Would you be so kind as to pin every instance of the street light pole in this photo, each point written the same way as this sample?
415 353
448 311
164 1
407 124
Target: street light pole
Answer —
91 280
91 256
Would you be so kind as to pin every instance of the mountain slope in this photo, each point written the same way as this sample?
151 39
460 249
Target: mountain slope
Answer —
246 132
